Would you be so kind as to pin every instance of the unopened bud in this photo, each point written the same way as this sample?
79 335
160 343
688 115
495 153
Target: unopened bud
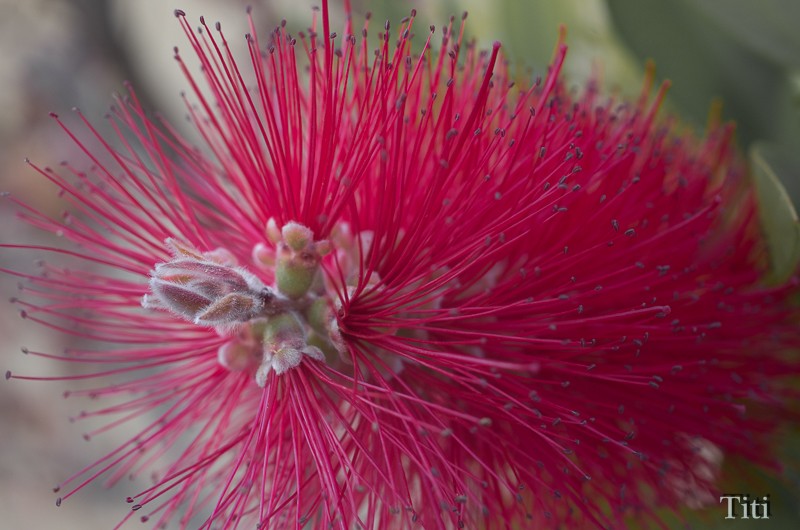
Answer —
297 260
297 236
323 247
284 359
272 231
233 307
204 292
285 346
263 256
238 356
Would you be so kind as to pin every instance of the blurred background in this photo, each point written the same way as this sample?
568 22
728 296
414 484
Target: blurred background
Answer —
59 54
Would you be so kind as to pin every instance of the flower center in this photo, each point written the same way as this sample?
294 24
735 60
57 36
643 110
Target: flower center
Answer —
271 328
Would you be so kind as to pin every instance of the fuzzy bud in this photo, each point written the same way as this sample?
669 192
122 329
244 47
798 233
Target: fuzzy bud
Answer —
285 346
297 260
296 236
204 291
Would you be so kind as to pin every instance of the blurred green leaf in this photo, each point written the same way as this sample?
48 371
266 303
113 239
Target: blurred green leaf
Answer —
705 61
532 31
529 31
768 26
784 160
778 216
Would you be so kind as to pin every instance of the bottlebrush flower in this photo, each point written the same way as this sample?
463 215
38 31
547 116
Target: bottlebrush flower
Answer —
392 287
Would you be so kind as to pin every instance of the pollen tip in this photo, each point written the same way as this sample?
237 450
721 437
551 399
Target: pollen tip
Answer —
179 13
8 375
53 115
58 501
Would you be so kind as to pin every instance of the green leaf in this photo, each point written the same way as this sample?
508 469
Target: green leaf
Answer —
767 26
705 61
778 217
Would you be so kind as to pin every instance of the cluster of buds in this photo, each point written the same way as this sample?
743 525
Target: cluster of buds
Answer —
269 328
208 289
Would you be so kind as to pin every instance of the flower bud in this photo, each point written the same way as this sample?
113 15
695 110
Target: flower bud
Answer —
272 231
203 291
238 356
297 236
285 346
297 260
263 257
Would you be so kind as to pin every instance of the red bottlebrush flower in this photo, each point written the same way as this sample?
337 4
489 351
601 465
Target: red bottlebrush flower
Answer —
391 287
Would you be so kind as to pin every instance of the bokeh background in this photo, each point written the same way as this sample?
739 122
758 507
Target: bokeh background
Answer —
59 54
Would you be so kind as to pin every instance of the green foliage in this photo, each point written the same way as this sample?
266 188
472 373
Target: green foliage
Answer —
778 217
744 52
